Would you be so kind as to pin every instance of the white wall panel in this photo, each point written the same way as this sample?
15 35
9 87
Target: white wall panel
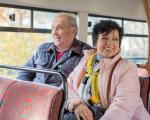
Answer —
118 8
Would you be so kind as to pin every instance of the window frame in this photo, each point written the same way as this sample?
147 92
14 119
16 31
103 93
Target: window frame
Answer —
32 9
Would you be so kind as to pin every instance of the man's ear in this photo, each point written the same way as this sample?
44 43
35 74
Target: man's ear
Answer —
74 30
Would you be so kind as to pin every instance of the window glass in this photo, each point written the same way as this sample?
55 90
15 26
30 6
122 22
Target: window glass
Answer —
135 47
92 20
133 27
14 17
43 20
18 47
89 39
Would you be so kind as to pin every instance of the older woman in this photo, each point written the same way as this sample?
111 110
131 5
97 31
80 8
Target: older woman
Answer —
105 86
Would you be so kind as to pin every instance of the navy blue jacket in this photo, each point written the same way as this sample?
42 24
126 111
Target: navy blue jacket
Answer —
45 58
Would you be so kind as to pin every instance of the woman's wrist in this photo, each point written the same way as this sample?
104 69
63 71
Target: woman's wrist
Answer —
76 105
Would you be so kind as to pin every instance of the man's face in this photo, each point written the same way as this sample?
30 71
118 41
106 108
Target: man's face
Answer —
63 33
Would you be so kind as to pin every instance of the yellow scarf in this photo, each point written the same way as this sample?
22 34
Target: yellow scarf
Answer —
95 97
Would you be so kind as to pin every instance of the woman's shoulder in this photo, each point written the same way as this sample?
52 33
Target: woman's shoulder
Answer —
84 59
126 65
127 62
88 53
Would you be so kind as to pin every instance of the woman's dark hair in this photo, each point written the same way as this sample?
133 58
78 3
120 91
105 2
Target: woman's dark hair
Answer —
106 26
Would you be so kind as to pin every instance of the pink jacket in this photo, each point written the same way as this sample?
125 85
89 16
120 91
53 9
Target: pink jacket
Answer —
125 102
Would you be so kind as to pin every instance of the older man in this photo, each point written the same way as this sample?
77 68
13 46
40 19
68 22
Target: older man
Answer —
63 53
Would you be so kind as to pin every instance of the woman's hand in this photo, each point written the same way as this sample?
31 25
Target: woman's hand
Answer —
82 111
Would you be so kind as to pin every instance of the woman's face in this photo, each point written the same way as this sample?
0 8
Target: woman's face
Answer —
108 44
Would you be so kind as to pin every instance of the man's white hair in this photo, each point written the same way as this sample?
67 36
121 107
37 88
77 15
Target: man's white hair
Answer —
70 17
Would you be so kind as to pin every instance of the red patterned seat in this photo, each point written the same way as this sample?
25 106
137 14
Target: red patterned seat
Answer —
145 85
22 100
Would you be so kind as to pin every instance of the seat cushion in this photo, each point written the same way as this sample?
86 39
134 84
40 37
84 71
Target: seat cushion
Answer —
4 84
31 101
144 85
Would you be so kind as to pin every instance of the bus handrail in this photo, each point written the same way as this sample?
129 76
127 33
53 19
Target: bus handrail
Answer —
60 73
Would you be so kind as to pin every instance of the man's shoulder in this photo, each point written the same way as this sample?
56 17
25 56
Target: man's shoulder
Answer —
45 45
84 46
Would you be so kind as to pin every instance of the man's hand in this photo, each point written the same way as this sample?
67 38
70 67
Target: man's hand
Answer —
82 111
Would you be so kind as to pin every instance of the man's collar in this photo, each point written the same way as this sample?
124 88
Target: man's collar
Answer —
76 47
51 47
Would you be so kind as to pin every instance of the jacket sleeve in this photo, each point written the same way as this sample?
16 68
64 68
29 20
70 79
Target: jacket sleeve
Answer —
73 81
126 98
28 76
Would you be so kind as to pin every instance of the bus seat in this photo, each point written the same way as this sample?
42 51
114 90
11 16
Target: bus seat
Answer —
145 85
4 86
21 100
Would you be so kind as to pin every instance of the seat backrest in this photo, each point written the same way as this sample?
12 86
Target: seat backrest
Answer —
22 100
145 85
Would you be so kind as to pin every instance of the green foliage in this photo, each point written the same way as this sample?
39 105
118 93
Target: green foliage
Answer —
16 48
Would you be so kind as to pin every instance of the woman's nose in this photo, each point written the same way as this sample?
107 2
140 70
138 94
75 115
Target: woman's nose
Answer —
109 41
